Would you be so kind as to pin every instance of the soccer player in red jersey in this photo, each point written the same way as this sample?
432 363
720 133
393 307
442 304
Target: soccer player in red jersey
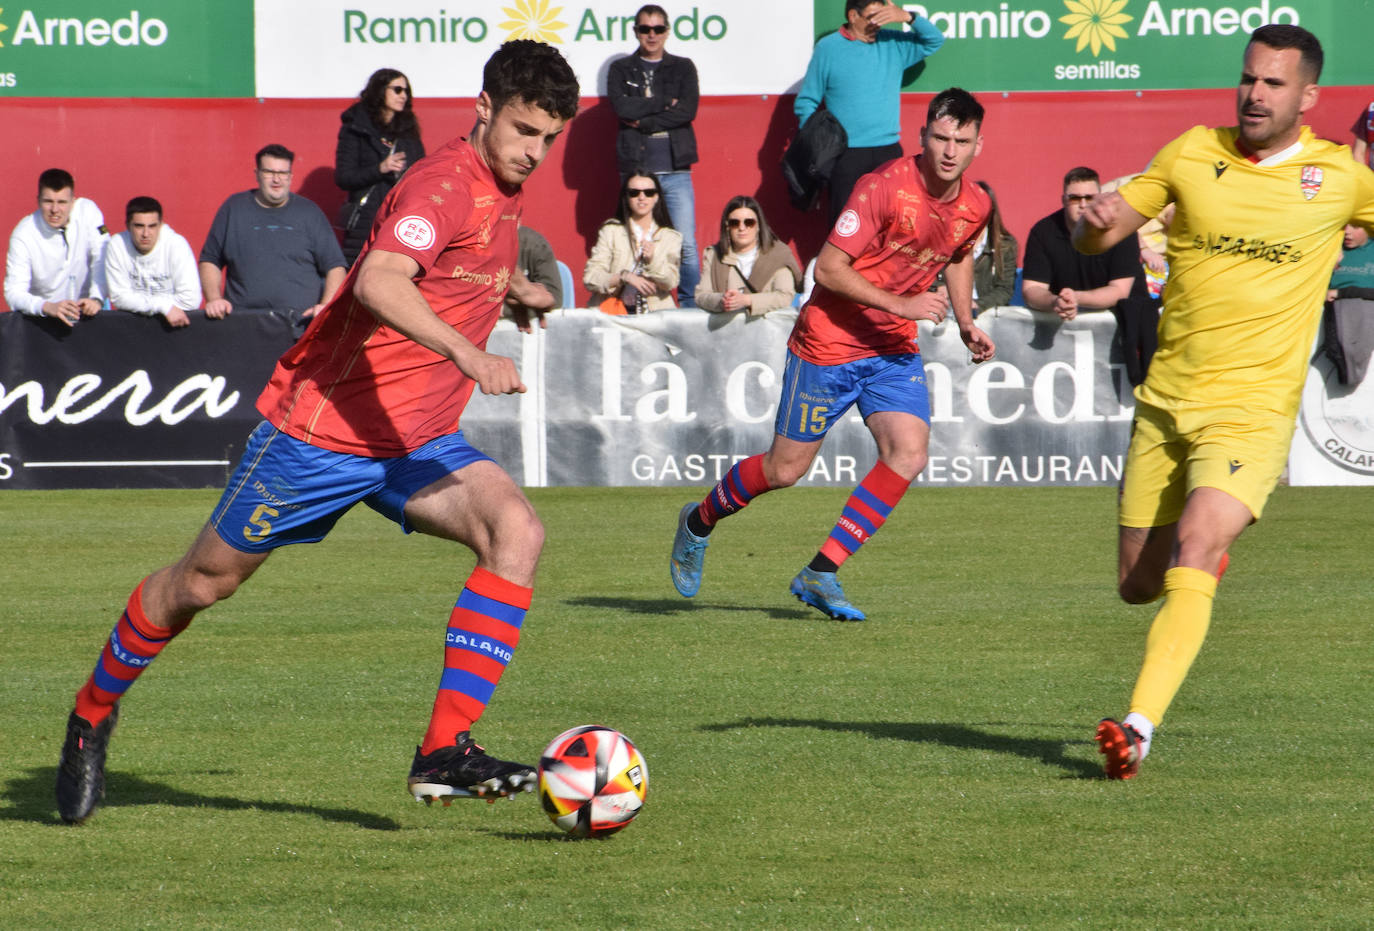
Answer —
855 342
366 407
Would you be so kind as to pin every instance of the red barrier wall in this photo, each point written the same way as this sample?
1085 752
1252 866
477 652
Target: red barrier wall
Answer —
191 154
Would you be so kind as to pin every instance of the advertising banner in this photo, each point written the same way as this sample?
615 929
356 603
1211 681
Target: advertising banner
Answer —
677 398
1083 45
1334 440
121 401
126 48
660 399
327 48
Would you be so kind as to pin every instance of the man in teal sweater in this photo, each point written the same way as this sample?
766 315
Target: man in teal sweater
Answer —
857 72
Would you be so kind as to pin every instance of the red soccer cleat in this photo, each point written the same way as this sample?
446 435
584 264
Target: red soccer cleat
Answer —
1120 745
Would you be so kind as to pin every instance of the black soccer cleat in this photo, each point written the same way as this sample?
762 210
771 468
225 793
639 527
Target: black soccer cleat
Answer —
465 771
81 773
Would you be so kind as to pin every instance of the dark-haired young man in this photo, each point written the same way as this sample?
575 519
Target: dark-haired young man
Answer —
150 268
55 263
855 342
1262 209
269 248
365 407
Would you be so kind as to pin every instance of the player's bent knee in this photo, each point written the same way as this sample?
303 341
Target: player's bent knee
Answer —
197 589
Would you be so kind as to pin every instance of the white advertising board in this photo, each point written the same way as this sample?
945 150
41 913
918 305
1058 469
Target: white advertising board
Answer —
327 48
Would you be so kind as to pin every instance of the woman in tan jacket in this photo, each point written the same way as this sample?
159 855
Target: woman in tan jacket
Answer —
638 255
748 268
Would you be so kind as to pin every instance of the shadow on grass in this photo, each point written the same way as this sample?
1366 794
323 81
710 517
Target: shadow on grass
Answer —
1049 752
682 606
30 798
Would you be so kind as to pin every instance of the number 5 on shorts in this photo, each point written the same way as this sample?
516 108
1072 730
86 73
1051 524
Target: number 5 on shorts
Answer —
259 520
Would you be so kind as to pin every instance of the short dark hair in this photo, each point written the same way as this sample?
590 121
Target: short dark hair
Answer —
1282 36
274 150
858 6
651 9
533 72
55 179
956 104
142 204
1081 173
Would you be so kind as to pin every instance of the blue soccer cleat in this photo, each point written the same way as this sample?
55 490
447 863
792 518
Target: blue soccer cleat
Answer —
822 590
689 555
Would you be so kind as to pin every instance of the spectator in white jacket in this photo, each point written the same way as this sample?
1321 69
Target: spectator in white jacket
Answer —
149 268
55 265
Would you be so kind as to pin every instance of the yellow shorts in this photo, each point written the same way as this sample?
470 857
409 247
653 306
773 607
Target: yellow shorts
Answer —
1174 450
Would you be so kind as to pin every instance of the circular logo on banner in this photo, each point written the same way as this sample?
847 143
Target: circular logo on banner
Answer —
847 224
415 231
1337 418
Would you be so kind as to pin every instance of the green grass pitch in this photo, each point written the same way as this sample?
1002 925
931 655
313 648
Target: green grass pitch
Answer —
932 767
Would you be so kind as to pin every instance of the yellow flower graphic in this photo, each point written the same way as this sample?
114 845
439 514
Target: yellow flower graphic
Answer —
3 27
1095 22
533 19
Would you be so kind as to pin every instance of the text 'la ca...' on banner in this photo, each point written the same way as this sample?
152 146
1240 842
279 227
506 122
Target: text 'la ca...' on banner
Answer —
326 48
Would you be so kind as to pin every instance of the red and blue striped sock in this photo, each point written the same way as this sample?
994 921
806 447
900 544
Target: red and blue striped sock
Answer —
134 643
866 510
483 631
742 484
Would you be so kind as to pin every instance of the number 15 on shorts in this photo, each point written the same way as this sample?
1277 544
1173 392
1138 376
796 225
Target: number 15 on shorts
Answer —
812 419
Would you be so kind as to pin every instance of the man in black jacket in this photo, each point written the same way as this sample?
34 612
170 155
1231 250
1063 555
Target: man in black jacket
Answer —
655 96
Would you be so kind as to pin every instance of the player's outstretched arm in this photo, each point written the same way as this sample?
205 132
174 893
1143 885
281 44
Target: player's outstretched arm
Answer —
1107 220
386 287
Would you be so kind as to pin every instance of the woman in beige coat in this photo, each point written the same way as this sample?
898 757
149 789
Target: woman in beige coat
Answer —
748 268
638 255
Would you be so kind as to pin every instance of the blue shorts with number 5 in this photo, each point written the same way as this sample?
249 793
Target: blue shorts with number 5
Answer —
815 397
287 491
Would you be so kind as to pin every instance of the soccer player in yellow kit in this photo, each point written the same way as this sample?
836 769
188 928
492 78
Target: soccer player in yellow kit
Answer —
1259 223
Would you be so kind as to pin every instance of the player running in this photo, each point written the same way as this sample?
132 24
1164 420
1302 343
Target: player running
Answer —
855 341
365 407
1261 212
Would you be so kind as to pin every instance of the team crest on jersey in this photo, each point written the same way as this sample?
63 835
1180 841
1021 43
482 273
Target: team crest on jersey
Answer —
1311 181
908 221
415 231
848 223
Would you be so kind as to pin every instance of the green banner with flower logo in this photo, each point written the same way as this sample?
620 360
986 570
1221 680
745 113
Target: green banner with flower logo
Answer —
1077 45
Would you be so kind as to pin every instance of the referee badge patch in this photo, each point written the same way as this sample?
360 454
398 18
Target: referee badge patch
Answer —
1311 181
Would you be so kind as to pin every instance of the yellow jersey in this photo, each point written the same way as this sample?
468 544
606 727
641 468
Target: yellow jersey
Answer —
1250 251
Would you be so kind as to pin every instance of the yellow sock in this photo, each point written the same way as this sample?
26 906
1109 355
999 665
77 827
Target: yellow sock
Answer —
1174 640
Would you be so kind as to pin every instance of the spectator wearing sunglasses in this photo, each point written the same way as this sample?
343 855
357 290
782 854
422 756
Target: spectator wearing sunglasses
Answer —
856 72
748 268
378 140
654 95
1056 277
638 255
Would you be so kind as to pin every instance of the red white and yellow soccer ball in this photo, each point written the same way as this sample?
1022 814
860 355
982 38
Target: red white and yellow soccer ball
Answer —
592 781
